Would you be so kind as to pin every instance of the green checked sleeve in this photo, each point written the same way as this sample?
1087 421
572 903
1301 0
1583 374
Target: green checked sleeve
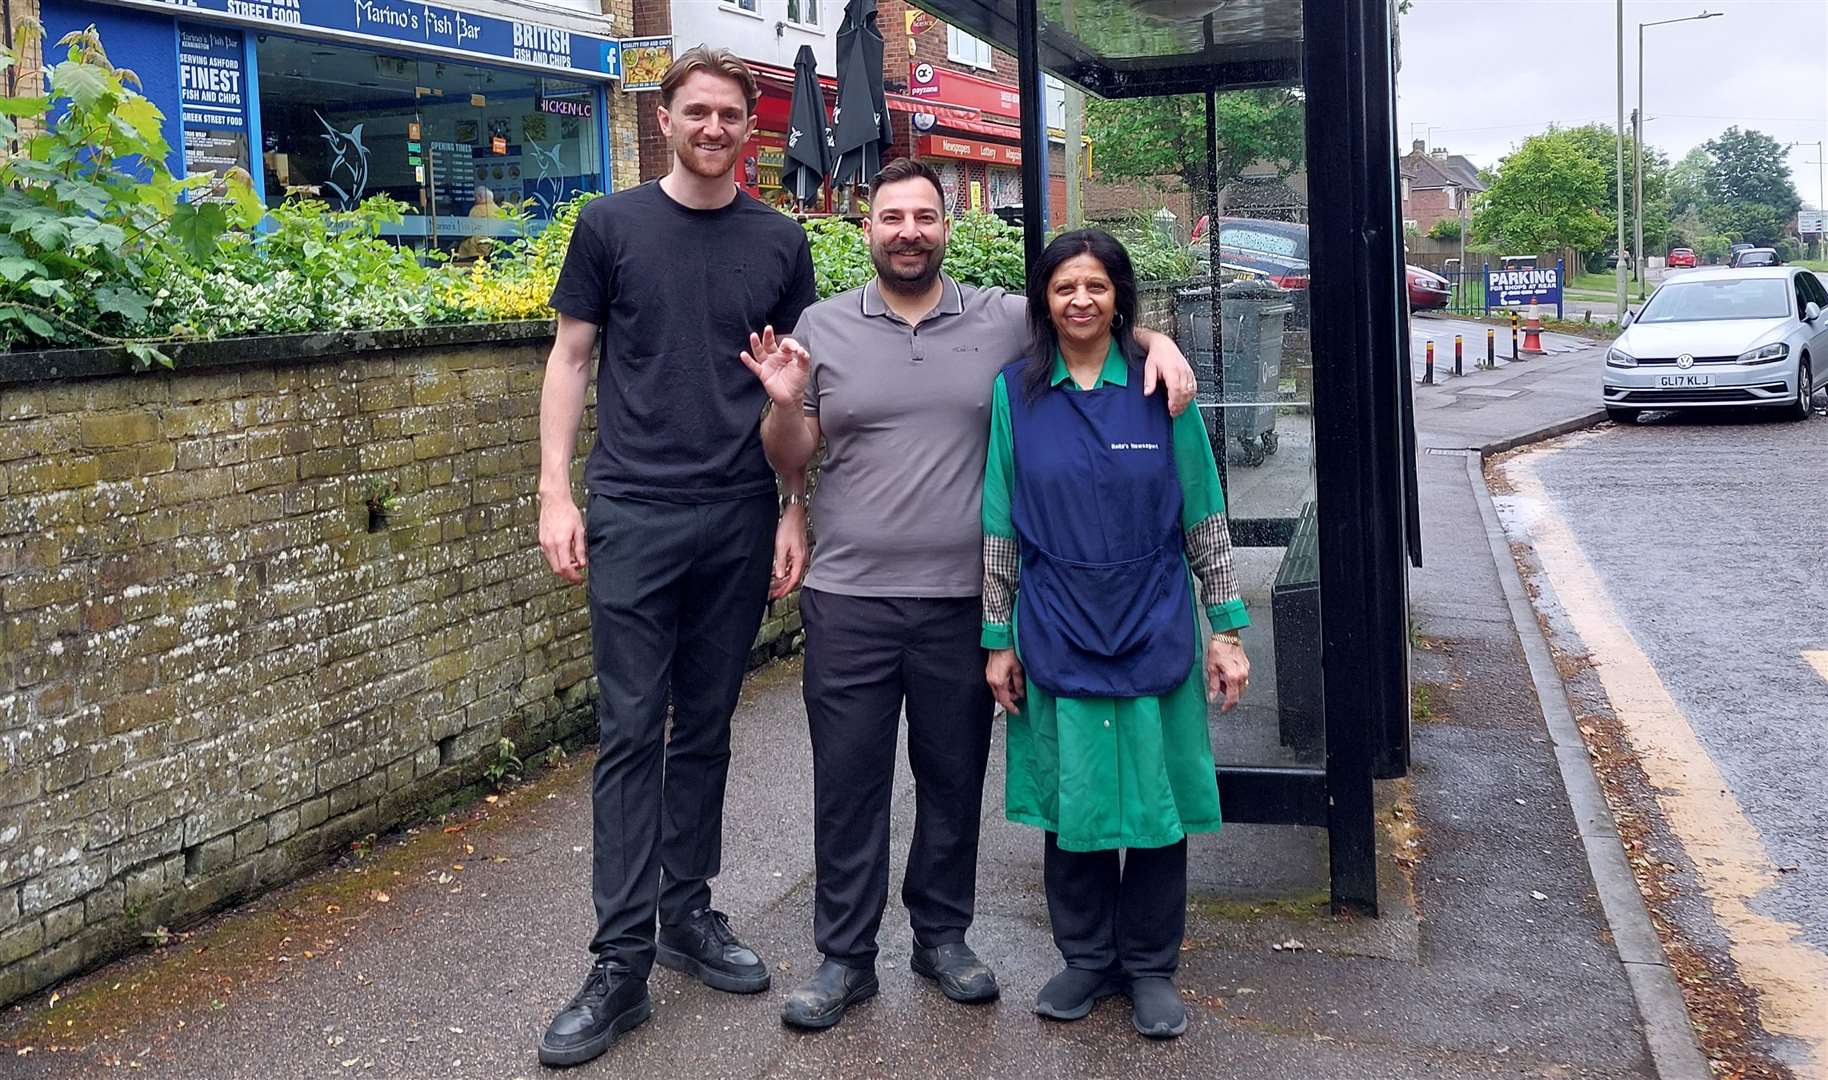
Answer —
1205 532
1001 562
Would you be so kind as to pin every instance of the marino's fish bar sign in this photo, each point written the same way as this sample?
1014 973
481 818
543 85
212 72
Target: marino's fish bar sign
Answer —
1515 288
430 26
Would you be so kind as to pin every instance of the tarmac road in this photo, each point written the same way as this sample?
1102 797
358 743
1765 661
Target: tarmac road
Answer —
1689 552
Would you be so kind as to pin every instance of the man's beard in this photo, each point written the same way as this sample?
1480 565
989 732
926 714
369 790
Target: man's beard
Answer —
899 280
699 163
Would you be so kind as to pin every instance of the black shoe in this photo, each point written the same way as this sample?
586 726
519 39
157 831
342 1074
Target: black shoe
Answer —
611 1001
960 974
821 1002
1158 1010
1071 994
704 948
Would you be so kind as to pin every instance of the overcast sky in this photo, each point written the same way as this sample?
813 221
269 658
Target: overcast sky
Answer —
1484 74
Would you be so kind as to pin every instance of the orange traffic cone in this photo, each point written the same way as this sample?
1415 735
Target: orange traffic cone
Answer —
1532 334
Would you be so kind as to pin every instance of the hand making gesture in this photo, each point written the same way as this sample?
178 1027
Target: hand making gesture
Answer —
782 365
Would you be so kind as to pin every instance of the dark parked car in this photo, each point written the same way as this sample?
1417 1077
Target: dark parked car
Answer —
1732 254
1276 251
1758 257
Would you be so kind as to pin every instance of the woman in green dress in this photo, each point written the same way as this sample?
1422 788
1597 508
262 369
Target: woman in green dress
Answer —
1100 512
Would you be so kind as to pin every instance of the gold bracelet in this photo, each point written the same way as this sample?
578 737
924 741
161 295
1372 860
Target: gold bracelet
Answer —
1229 635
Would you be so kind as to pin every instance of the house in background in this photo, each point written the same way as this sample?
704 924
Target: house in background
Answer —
1436 185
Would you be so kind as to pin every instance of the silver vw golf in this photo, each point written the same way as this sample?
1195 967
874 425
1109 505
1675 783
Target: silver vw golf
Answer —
1723 337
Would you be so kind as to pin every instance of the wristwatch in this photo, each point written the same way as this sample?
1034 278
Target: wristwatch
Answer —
1229 635
794 499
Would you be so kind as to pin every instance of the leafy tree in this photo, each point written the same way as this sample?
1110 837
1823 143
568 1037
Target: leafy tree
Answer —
1545 195
1598 142
1748 186
1688 183
1151 139
1445 229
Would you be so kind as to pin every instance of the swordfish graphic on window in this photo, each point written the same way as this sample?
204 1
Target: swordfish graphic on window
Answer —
350 156
548 187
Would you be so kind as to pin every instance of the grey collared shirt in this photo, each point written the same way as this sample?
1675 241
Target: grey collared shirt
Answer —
905 411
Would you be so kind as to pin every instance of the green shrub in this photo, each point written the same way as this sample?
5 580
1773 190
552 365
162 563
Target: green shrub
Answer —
1445 229
311 270
840 254
984 251
93 218
1154 254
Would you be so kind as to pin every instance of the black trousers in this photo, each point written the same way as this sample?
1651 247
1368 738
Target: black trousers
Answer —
865 657
1129 917
677 592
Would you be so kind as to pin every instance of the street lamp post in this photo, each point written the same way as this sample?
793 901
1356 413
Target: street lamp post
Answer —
1619 166
1637 138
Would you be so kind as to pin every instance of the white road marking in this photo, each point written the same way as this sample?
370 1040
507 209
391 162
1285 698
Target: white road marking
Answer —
1818 659
1788 975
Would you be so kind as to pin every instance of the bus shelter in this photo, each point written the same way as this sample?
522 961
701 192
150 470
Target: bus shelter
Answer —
1316 443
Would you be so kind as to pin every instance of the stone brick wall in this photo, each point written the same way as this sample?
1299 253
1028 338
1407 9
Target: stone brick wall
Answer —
215 674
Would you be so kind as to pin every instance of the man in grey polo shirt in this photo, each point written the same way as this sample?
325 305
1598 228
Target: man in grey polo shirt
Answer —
897 376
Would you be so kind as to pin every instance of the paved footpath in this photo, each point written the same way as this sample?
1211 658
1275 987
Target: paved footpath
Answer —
442 953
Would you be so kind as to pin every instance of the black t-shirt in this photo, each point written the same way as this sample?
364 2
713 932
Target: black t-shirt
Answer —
677 292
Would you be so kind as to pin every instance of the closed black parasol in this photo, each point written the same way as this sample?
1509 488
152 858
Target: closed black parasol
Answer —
808 159
862 132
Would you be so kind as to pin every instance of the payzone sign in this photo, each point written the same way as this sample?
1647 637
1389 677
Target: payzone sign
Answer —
1519 286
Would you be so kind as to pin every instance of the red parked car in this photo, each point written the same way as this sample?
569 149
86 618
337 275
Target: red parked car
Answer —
1427 289
1681 259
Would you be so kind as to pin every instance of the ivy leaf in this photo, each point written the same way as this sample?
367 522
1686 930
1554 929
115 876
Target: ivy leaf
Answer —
32 320
197 227
130 304
142 117
49 288
48 233
83 84
144 356
14 268
24 106
87 231
89 196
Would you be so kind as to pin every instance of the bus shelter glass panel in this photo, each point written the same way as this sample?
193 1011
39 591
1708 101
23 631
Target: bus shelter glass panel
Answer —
1215 192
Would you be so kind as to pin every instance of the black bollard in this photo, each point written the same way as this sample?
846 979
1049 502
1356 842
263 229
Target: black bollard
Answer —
1459 355
1491 348
1428 369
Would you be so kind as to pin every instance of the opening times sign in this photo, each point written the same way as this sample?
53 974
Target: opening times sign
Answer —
401 22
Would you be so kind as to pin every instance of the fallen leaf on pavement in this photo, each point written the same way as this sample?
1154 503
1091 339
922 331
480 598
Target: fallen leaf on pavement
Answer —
1537 895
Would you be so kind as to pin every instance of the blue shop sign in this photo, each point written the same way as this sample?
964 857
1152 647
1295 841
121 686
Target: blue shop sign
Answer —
426 26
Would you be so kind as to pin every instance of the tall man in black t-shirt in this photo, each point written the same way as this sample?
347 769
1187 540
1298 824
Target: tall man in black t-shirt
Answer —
681 527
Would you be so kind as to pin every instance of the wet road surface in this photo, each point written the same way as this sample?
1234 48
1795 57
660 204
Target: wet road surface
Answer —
1690 554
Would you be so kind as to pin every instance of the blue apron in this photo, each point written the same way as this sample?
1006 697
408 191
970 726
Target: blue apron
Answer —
1104 607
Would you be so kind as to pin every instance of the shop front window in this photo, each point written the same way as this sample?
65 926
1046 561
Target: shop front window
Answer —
455 142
